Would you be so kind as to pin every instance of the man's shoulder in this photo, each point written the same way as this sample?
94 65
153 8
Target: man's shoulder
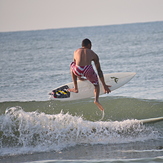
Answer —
79 49
93 52
89 51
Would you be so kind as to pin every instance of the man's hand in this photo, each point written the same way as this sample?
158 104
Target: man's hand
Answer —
106 88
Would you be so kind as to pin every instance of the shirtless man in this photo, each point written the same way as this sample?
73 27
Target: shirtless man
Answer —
82 67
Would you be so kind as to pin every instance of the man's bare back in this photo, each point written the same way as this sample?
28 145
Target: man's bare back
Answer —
84 56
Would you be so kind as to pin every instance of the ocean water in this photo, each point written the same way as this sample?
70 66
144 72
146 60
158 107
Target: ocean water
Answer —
34 128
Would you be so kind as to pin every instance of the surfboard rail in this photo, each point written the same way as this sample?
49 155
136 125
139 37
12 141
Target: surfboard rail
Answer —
151 120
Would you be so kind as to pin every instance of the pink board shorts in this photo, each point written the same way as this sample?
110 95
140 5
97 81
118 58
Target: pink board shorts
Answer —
86 71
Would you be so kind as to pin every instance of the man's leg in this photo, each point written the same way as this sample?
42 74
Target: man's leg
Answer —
74 78
97 92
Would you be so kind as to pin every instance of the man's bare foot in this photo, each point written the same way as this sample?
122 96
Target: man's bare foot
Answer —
99 105
73 90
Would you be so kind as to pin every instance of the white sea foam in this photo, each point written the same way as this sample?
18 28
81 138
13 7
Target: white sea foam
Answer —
28 132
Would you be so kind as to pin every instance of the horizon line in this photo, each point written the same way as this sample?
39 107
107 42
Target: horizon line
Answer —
26 30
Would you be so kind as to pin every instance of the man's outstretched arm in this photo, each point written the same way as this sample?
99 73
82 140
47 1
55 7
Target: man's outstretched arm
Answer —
101 76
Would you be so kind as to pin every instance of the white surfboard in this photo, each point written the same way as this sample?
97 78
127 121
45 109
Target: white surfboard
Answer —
151 120
86 89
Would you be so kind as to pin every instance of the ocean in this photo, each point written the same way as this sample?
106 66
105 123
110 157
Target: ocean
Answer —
34 128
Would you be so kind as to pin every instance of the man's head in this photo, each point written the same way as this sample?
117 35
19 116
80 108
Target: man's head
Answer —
86 43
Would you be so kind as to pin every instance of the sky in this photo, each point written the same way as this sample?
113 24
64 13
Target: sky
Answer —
18 15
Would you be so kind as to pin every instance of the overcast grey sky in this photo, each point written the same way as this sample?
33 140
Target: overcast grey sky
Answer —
16 15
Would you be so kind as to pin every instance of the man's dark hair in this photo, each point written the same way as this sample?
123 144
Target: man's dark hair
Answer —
86 42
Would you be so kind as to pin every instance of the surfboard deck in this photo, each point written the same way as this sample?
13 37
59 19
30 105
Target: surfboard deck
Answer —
151 120
86 89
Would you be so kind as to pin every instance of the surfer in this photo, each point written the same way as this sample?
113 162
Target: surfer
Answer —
82 67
